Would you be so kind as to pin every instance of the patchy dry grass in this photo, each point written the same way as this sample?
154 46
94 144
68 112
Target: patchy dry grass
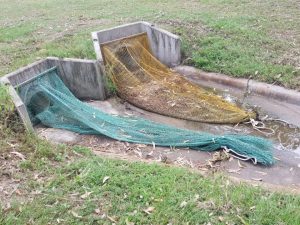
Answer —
228 36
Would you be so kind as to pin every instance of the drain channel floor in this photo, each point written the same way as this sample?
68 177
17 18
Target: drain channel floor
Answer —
285 173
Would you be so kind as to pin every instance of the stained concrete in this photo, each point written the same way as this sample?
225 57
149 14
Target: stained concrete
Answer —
85 78
164 45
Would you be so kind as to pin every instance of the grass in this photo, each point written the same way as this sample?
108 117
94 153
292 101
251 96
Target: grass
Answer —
92 190
10 34
70 185
217 53
242 39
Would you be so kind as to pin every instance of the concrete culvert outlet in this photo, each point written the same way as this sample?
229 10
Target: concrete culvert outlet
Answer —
84 78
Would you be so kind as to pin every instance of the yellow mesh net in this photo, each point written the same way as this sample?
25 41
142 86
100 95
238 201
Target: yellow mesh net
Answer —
145 82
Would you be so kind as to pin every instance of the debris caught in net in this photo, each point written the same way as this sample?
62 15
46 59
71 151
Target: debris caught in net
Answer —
145 82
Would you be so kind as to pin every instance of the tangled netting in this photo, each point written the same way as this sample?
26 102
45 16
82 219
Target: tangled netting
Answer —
50 102
144 81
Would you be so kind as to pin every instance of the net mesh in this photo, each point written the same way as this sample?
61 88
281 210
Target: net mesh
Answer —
145 82
50 102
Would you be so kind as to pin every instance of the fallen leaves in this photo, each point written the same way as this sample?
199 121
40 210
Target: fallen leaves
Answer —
112 219
85 195
97 211
242 220
149 154
241 165
138 153
75 215
257 179
218 157
149 210
183 204
262 173
105 179
19 155
234 171
128 222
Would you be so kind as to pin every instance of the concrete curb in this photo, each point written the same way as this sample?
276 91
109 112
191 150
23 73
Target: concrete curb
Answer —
259 88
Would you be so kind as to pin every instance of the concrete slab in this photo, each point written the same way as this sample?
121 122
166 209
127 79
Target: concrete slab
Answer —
58 136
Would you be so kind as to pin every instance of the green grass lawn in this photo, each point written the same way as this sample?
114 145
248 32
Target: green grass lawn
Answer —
69 185
238 38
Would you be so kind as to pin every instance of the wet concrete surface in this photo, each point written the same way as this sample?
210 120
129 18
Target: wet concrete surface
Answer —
266 106
285 174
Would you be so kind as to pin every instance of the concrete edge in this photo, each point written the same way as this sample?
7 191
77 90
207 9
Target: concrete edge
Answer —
73 59
96 46
95 37
116 27
45 59
19 105
259 88
24 68
153 26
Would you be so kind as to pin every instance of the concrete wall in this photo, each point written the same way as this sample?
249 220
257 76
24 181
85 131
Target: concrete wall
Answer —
85 78
27 72
165 45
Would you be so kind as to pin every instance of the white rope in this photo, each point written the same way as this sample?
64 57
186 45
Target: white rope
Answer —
260 127
236 155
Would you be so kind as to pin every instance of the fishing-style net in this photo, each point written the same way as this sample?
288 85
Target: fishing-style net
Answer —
51 103
144 81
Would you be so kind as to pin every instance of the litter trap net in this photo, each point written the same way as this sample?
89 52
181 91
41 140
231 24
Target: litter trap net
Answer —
145 82
51 103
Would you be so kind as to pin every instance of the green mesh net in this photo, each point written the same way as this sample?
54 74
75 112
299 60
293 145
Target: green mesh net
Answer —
51 103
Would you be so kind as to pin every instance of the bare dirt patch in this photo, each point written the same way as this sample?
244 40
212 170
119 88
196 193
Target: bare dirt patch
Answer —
11 177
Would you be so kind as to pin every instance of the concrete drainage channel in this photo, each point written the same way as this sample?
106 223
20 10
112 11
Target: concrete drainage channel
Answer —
86 80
